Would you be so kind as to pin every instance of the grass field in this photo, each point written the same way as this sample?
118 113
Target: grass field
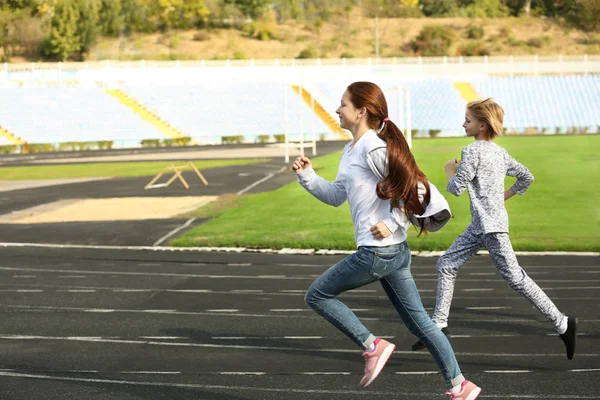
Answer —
94 170
560 211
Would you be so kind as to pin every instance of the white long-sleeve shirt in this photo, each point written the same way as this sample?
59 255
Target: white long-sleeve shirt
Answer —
481 171
362 166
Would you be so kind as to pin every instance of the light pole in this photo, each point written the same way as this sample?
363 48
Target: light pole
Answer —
377 32
377 35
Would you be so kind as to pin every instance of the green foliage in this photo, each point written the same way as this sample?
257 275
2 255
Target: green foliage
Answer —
583 14
110 19
475 32
433 40
484 9
309 52
252 8
438 8
64 37
473 48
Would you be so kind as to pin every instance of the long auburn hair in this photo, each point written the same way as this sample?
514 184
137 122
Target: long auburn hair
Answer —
404 175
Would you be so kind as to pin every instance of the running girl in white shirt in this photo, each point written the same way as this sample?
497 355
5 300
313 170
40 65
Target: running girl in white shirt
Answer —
386 191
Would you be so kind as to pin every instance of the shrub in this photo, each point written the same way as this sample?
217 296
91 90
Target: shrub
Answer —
475 32
232 139
150 143
473 48
262 138
279 138
434 132
309 52
433 40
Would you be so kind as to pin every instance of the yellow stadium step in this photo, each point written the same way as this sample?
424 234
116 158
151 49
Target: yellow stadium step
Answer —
11 137
145 114
320 111
466 91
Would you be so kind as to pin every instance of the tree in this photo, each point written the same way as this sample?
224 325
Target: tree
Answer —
64 39
87 24
110 20
252 8
18 4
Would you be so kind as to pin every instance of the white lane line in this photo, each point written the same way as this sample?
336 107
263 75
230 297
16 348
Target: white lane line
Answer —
162 274
224 310
22 290
276 348
324 373
194 264
483 273
487 308
585 370
258 182
517 371
164 337
478 290
77 291
242 373
72 276
149 264
267 337
150 372
239 265
173 232
381 394
186 290
246 291
417 373
24 276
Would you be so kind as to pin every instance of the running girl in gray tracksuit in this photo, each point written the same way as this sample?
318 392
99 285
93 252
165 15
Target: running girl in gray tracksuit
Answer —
481 171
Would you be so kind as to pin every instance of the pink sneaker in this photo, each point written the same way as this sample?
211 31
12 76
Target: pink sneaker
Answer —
375 360
468 391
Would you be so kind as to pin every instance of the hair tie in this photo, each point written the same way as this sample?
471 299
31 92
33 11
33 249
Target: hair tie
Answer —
386 119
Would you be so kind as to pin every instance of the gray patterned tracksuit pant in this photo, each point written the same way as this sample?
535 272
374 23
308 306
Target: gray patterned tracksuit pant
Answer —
503 256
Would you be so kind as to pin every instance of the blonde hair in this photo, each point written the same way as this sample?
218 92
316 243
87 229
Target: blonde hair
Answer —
491 113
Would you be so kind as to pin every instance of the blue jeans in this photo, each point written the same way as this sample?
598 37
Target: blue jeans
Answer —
391 267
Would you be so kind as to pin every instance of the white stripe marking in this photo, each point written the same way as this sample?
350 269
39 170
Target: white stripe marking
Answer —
275 348
585 370
417 373
151 372
258 182
487 308
242 373
478 290
24 276
508 372
174 231
226 310
388 394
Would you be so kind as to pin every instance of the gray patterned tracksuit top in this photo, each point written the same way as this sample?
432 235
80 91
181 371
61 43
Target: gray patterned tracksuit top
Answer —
482 170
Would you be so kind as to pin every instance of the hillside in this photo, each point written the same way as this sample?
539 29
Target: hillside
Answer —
352 36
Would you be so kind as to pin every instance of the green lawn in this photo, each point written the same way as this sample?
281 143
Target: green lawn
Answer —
560 211
117 169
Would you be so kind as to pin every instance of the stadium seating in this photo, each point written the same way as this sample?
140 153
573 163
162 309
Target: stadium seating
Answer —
210 109
64 114
207 109
545 102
